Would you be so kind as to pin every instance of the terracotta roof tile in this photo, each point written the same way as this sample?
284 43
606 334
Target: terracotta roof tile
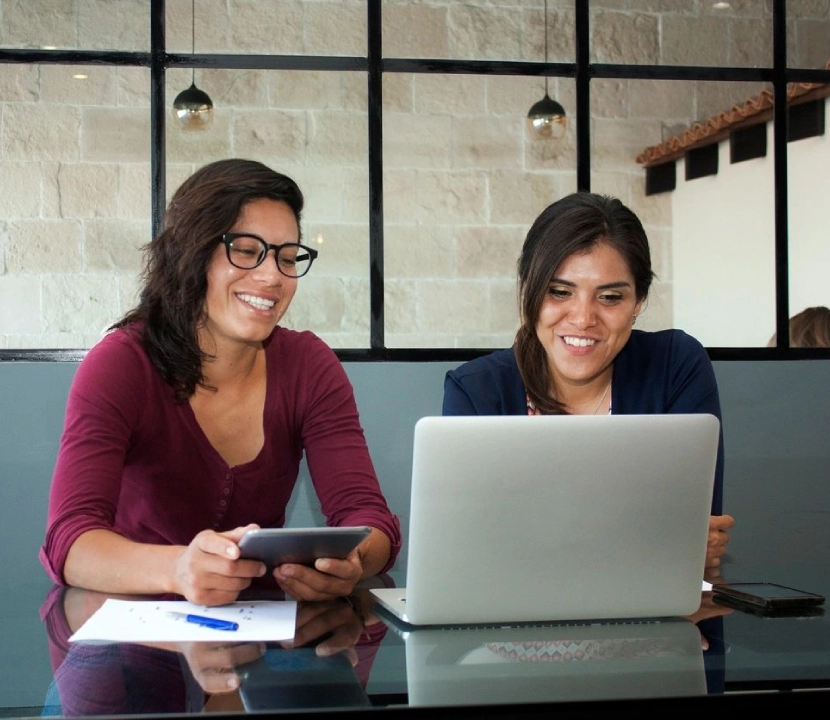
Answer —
756 110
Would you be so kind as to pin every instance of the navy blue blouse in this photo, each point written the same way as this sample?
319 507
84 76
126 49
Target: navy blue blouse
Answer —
655 373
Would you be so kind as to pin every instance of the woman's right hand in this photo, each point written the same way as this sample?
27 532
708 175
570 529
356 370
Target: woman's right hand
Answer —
210 572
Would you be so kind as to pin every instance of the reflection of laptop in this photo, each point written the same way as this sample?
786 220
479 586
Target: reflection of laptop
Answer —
517 519
553 663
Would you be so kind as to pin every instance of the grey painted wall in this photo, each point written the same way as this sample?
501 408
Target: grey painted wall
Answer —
776 418
777 484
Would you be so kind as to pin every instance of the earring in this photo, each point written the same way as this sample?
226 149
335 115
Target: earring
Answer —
633 320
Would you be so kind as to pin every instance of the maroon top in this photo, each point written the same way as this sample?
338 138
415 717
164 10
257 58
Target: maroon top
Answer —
134 460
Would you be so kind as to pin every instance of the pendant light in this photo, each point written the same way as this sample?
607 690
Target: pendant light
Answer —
547 117
193 108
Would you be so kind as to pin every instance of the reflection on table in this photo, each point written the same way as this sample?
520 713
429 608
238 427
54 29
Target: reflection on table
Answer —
553 663
326 665
351 656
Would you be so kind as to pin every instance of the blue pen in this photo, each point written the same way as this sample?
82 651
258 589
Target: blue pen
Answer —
208 622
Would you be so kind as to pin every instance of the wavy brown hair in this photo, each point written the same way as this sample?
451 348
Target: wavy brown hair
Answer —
574 224
174 280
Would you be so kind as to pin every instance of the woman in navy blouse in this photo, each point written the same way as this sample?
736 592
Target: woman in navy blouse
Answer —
584 276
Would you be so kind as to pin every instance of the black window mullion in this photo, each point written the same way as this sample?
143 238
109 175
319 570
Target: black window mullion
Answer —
780 121
158 158
583 97
377 337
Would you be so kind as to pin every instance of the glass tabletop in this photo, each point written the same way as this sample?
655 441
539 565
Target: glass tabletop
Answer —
352 656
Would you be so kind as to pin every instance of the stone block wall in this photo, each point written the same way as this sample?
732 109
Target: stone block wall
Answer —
463 175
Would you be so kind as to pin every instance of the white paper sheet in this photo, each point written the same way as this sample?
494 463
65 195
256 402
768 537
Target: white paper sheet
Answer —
148 621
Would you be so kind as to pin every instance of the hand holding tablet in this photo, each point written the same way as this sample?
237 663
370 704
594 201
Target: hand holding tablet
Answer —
276 546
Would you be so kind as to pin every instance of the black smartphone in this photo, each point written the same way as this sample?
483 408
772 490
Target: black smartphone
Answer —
766 597
275 546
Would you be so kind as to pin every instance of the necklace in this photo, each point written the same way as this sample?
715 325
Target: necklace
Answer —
607 388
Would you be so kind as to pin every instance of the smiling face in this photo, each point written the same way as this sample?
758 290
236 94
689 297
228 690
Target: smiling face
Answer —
244 306
586 318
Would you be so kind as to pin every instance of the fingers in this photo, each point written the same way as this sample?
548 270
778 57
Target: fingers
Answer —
222 553
348 570
209 571
717 539
304 583
213 664
326 650
334 618
718 527
211 589
222 544
721 522
328 579
714 552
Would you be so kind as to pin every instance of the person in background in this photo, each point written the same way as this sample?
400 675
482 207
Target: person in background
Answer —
185 425
809 329
584 275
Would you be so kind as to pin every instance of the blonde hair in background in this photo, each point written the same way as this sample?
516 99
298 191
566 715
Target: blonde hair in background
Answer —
809 329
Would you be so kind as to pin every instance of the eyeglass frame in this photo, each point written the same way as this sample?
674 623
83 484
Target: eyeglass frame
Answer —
228 238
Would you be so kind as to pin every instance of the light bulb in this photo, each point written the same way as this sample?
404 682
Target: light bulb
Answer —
193 108
547 118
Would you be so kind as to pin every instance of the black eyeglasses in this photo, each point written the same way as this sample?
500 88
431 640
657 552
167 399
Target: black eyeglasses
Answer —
247 251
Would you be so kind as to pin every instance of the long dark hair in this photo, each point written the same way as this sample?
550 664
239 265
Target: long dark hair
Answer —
171 303
574 224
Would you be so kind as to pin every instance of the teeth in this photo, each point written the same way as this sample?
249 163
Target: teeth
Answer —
257 302
579 342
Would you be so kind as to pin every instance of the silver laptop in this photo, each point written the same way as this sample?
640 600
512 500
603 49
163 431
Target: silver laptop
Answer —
546 663
522 519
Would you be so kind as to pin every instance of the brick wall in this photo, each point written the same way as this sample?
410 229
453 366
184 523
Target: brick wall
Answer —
463 176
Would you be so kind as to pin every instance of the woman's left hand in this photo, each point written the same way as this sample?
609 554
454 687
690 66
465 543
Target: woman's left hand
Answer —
328 579
719 526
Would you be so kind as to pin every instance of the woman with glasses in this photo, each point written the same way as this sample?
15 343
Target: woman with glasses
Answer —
584 276
186 424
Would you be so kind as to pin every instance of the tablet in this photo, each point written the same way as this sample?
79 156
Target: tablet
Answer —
275 546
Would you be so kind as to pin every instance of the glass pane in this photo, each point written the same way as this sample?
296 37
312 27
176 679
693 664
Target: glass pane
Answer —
78 25
809 252
464 178
254 27
478 30
808 34
74 200
311 126
712 236
627 116
679 32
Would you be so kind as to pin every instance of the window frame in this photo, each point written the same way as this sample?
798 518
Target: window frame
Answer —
375 65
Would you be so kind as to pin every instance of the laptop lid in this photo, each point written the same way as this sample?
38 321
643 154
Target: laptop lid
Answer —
520 519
